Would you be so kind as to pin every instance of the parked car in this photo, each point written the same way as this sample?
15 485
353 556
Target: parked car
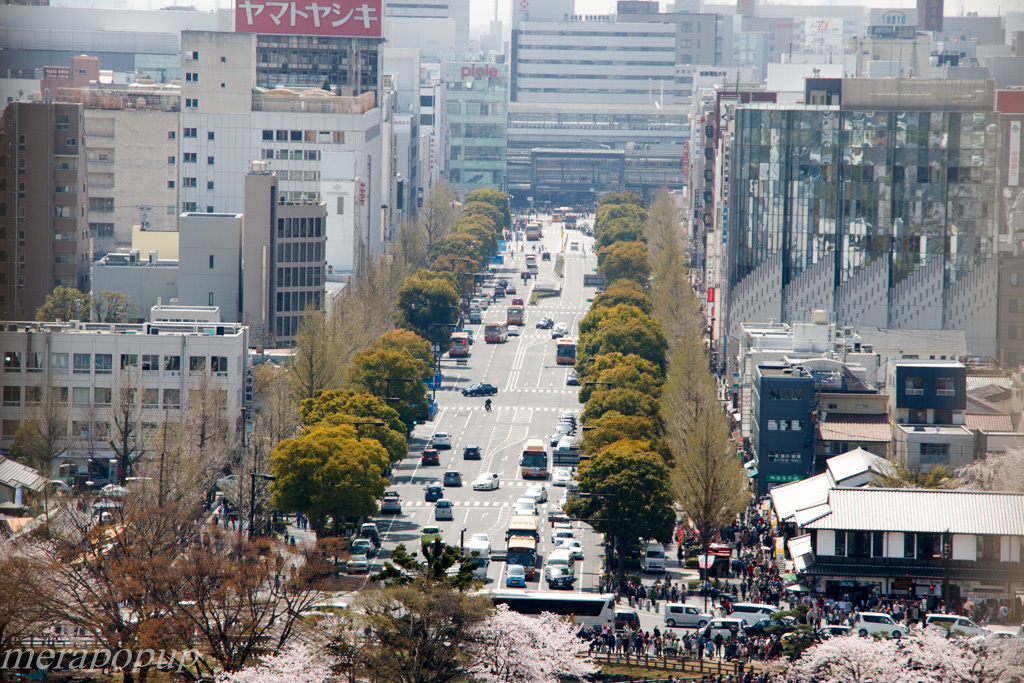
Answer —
751 612
515 576
430 457
452 478
441 441
545 323
362 546
826 632
358 564
723 626
954 625
869 623
572 379
471 453
480 389
626 618
488 481
678 614
761 626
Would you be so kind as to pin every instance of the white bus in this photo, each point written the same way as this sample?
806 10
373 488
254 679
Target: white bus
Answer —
586 609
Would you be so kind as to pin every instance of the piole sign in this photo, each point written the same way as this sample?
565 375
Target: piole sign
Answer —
479 71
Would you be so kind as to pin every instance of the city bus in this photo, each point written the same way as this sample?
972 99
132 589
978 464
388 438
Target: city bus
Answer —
559 214
514 315
534 231
534 461
460 345
585 609
523 525
565 351
523 550
496 333
570 221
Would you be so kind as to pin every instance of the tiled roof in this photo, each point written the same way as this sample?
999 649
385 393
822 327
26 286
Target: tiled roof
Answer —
924 511
983 422
853 427
975 382
15 474
854 463
789 498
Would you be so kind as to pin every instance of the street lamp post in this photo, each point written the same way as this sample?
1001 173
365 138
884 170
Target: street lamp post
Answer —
253 476
462 539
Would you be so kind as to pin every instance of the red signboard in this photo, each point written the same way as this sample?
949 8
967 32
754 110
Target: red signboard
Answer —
349 18
711 295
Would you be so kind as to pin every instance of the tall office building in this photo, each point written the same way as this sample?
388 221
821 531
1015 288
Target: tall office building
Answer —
476 103
457 10
875 200
44 238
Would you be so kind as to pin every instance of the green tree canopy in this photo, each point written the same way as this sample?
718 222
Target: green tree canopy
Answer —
486 210
623 292
395 375
459 244
438 559
114 307
621 377
328 473
622 229
614 426
625 402
641 485
407 341
592 321
426 303
480 232
344 406
625 260
642 337
65 303
495 198
621 198
610 212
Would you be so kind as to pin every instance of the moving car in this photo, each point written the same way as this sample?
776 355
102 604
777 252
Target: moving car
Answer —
868 623
559 577
362 546
430 533
471 453
574 547
480 389
626 618
574 246
723 626
513 330
557 515
511 289
516 302
559 331
562 532
358 564
434 492
369 531
441 440
678 614
499 291
561 476
545 323
430 457
954 625
572 379
546 256
488 481
392 504
452 478
525 506
443 510
515 576
538 493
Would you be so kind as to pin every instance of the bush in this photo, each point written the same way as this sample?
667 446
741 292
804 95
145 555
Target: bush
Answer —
691 563
693 585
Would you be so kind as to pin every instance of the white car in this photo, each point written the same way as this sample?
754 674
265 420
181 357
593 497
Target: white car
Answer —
525 506
952 624
441 440
488 481
574 547
679 614
538 493
561 532
513 330
561 476
868 623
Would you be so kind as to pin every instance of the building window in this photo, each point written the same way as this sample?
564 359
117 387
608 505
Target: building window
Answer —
908 545
194 55
101 396
209 133
189 182
82 362
33 361
59 363
196 364
150 398
913 386
209 183
33 395
188 158
773 425
917 417
129 360
150 363
189 133
170 184
191 77
80 396
929 546
172 364
934 453
268 135
210 302
281 136
211 261
1016 279
172 398
12 361
944 386
786 394
840 543
209 162
12 395
172 134
219 365
103 363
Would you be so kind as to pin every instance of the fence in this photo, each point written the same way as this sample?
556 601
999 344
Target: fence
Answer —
689 665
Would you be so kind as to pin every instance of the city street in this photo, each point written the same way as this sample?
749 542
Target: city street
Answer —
531 394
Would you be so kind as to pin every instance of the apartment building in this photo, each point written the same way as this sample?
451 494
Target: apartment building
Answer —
83 364
44 237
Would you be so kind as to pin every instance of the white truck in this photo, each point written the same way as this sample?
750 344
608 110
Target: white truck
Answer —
654 557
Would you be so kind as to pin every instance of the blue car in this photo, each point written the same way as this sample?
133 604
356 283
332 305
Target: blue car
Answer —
434 492
515 576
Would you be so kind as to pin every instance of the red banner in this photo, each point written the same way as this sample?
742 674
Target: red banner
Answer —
350 18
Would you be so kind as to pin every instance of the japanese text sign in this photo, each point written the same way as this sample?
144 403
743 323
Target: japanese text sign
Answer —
350 18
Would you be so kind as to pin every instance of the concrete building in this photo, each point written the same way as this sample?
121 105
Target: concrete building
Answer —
476 104
283 260
456 10
432 125
865 231
596 61
210 262
1010 329
700 38
44 242
85 363
145 277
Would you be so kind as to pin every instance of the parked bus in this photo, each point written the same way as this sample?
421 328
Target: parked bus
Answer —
515 315
523 525
565 351
534 231
585 609
534 462
523 550
570 221
460 345
496 333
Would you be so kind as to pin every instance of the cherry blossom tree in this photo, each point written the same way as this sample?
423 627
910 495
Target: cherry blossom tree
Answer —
848 659
296 663
524 649
933 656
1003 472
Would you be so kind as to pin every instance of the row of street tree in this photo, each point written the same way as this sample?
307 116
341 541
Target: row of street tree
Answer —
656 432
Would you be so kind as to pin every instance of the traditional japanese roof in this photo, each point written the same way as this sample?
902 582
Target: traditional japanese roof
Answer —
15 474
984 422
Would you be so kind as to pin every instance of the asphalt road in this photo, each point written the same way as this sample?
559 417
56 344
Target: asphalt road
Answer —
531 394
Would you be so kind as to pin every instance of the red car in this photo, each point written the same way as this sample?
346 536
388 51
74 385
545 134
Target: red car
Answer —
430 457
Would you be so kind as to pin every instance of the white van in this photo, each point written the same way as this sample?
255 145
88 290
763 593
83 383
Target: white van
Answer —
443 510
954 625
562 557
479 549
751 612
679 614
654 557
869 623
726 628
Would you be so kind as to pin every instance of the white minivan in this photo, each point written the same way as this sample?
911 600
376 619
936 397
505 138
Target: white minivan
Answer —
561 557
443 510
654 557
869 623
751 612
954 625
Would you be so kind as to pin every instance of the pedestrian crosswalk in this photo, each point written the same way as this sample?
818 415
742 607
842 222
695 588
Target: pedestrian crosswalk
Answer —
474 503
505 483
465 408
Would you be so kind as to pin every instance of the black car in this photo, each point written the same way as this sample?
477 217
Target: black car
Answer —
572 379
545 323
546 256
760 627
480 389
452 478
471 453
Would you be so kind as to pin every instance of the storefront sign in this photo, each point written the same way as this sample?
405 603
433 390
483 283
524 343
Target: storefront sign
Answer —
1013 168
479 71
350 18
931 11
